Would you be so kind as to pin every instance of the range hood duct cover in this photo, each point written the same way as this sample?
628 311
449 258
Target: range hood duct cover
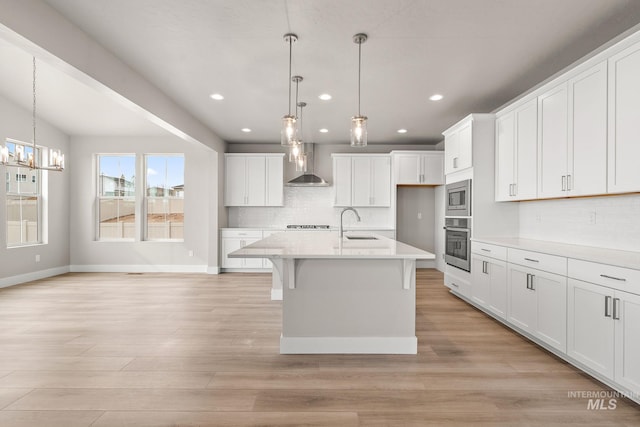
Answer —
308 180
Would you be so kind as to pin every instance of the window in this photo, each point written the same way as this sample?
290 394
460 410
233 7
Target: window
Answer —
164 197
24 199
116 197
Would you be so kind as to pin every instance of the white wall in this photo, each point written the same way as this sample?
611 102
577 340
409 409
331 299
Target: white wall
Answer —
201 209
18 264
608 222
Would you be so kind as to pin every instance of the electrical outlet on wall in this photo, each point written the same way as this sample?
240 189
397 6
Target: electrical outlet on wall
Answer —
419 215
592 217
190 253
37 258
538 217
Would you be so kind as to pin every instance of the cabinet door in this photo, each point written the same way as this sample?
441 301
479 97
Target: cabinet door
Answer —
551 316
587 167
590 327
342 181
407 168
451 148
465 148
256 174
380 178
526 151
624 126
235 182
275 181
552 142
361 185
250 262
627 314
521 309
229 245
480 280
433 168
497 287
505 155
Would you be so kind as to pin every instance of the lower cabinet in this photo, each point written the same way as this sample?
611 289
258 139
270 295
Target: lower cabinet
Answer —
489 284
603 334
537 304
232 240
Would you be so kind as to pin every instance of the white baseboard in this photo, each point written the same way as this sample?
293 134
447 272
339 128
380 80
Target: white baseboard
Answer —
276 294
213 270
34 275
348 345
137 268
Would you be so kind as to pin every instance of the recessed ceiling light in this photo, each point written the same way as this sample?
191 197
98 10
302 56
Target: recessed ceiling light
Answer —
216 96
436 97
246 130
402 131
325 97
324 130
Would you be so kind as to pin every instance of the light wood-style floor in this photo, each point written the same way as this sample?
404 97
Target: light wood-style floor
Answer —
199 350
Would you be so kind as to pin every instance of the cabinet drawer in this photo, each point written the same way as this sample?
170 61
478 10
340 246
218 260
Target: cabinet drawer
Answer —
620 278
492 251
551 263
242 233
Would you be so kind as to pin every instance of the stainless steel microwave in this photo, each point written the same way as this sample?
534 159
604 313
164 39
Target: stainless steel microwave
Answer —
458 198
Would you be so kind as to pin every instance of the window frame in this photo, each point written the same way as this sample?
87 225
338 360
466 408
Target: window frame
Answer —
99 198
146 198
19 195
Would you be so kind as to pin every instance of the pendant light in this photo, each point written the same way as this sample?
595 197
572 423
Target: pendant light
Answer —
295 146
288 131
56 158
359 122
301 159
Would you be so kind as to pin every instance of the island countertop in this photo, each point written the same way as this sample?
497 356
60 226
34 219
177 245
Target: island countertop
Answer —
327 245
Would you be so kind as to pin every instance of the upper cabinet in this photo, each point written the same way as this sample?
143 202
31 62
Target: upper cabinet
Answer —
586 130
458 149
362 180
624 120
418 167
516 153
253 180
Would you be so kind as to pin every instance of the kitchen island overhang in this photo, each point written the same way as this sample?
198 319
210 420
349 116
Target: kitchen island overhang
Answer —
351 295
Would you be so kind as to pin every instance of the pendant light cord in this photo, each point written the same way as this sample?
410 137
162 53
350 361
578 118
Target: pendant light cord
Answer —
34 109
359 73
290 59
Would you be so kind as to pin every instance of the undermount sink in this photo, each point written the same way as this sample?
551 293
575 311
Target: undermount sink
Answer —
361 237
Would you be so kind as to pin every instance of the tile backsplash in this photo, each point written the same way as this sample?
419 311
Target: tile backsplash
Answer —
307 205
610 222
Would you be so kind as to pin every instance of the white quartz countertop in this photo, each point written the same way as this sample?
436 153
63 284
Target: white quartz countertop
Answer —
627 259
327 244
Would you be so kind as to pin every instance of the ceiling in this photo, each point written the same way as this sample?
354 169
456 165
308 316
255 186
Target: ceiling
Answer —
479 54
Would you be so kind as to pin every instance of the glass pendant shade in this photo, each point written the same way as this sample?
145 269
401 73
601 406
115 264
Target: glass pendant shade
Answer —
359 131
288 133
301 163
294 152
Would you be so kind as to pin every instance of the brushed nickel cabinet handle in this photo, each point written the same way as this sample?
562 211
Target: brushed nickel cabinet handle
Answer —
607 305
621 279
616 308
532 260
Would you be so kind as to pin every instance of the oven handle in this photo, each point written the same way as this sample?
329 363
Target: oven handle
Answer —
468 230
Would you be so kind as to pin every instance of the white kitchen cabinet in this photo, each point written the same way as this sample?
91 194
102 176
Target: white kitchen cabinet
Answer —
587 141
253 180
624 125
418 167
537 304
516 153
232 240
627 343
489 283
458 149
553 125
362 180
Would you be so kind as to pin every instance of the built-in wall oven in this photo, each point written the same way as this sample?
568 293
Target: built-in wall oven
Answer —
457 242
458 198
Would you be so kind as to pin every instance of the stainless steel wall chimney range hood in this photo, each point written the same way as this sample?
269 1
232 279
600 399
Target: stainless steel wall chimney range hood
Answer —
309 179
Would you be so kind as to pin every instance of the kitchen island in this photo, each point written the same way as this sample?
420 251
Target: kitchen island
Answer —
354 294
